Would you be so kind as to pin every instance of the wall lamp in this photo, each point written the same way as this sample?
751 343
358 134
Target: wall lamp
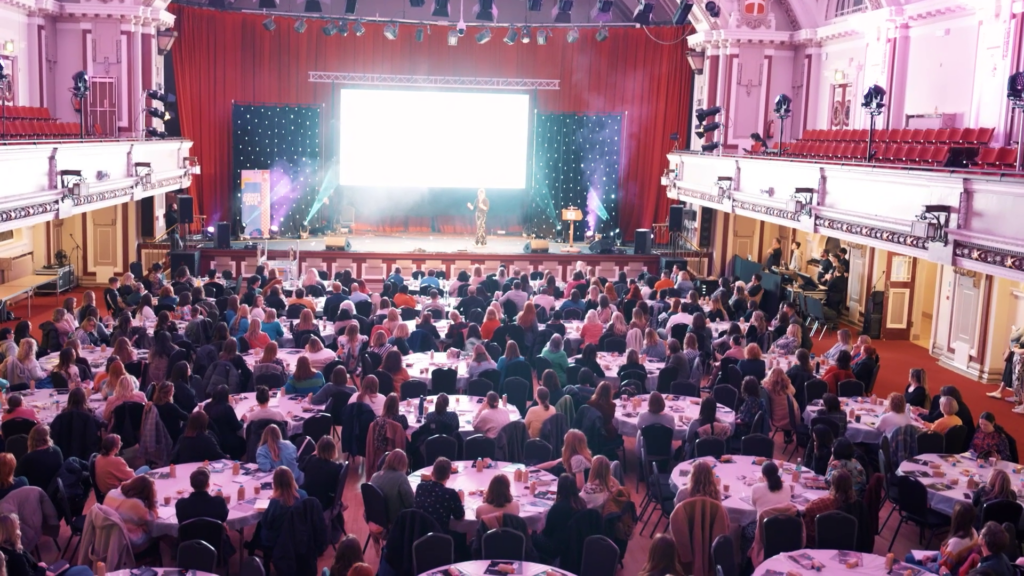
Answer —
73 181
191 164
932 223
696 60
801 201
144 172
724 185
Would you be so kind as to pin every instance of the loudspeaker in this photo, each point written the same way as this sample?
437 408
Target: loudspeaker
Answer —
707 219
147 218
337 243
603 246
189 260
675 217
536 246
682 13
642 241
222 237
184 209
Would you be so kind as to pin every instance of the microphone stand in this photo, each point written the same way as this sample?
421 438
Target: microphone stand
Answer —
76 251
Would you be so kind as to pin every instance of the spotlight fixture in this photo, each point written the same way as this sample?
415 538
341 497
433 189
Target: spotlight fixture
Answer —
275 231
208 233
705 113
485 11
602 34
417 3
268 5
874 99
713 9
542 37
313 7
483 36
350 6
269 25
782 106
642 14
80 86
161 115
391 31
1015 87
682 13
419 34
440 9
158 96
572 36
154 133
708 128
524 36
329 29
534 5
709 147
342 28
602 11
300 26
453 37
511 36
358 28
562 12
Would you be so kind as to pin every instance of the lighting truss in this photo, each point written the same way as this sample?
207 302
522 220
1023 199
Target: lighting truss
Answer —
441 81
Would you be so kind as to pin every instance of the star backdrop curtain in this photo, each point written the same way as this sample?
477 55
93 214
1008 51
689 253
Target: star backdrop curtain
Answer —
286 141
576 163
223 56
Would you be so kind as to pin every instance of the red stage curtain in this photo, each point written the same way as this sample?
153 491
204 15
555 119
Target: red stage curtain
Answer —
221 57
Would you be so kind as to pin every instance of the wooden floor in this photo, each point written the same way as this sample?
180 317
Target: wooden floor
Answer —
908 354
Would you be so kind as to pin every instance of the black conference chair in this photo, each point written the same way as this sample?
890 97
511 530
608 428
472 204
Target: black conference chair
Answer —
318 426
656 447
479 447
684 388
204 530
375 509
1000 511
600 556
914 509
955 439
666 377
757 445
782 534
836 530
615 345
414 389
479 387
385 383
851 389
723 551
536 452
440 445
726 396
432 551
930 443
197 555
815 390
16 426
710 446
826 422
504 544
443 381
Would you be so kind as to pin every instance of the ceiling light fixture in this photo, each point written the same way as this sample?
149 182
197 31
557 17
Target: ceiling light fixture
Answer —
419 34
453 37
602 34
602 11
483 36
572 36
642 14
524 36
350 7
511 36
300 26
269 24
313 7
486 11
391 31
542 37
358 28
562 12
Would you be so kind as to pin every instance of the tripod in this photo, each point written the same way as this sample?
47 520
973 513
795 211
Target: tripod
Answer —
875 113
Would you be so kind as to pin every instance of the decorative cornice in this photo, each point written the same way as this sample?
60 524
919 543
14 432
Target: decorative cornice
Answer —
989 255
702 196
12 214
891 236
767 210
104 196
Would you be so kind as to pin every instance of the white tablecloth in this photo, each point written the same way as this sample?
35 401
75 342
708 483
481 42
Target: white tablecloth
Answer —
943 494
739 476
287 355
611 362
863 431
95 355
684 411
533 510
421 365
293 406
286 341
464 406
832 563
240 515
479 567
48 403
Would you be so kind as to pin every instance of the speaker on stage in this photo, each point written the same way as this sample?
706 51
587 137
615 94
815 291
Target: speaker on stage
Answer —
536 246
184 209
189 260
222 239
337 243
707 219
642 241
675 217
605 245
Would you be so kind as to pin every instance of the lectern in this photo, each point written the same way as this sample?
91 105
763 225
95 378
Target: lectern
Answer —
571 215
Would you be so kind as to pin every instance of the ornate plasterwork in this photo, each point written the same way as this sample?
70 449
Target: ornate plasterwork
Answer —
873 232
989 255
767 210
50 206
702 196
111 194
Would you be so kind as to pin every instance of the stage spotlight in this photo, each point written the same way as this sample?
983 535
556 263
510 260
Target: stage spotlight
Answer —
391 31
453 37
440 9
705 113
782 106
483 36
713 10
524 36
208 233
300 26
268 5
269 25
642 14
511 36
153 132
313 7
534 5
682 13
1015 87
161 115
342 28
485 11
562 12
874 98
328 29
80 86
572 36
358 28
274 232
602 11
419 34
708 128
542 37
158 96
602 34
709 147
350 6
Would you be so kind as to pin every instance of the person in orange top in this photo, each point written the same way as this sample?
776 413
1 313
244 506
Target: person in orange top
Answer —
839 371
111 469
665 283
949 407
403 299
491 323
300 298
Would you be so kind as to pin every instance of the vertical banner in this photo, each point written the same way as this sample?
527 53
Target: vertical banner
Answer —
255 193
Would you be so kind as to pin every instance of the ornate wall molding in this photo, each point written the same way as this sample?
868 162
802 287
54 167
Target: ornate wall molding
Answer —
12 214
104 196
702 196
767 210
989 255
875 233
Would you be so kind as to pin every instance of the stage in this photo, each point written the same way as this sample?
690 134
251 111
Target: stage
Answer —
372 257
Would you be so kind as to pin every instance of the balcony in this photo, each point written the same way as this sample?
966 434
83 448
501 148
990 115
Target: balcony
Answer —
878 205
45 180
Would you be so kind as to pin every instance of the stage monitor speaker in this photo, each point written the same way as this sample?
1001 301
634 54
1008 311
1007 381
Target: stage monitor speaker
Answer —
605 245
675 217
642 241
536 246
707 219
223 235
189 260
337 243
184 209
668 263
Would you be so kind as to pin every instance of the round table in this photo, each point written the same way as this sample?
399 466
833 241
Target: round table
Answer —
532 509
611 362
287 355
863 431
420 365
240 514
326 332
160 572
945 491
48 402
684 410
740 475
479 567
464 406
293 406
832 562
95 355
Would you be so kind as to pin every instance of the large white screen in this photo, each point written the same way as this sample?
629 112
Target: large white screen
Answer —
414 139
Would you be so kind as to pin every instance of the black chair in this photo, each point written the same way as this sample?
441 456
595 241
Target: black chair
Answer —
782 534
252 566
75 523
432 551
414 389
127 422
493 376
335 515
517 389
930 443
572 374
16 426
757 445
327 370
600 556
726 395
479 387
443 381
536 452
92 474
494 351
828 423
723 552
913 508
408 313
203 530
197 555
440 445
615 345
385 383
521 370
1000 511
541 365
851 389
659 493
641 377
572 314
504 544
758 425
272 380
710 446
318 426
815 390
656 444
59 381
836 530
478 447
684 388
136 369
955 440
678 331
375 509
666 377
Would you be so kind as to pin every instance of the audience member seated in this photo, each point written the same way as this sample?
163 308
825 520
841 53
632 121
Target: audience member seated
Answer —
135 501
8 481
275 452
498 498
554 538
752 364
305 380
554 353
491 417
321 471
834 411
395 367
262 409
317 355
200 503
588 359
843 344
895 416
780 396
600 485
840 495
437 500
16 409
917 393
990 439
225 422
368 394
998 487
575 460
111 469
991 559
286 494
348 556
43 460
537 415
843 459
702 484
662 557
393 482
838 372
752 405
196 443
948 407
706 425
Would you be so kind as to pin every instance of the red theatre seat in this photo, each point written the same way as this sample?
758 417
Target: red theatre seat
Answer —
881 135
954 135
986 157
968 136
1006 158
939 155
941 136
983 136
929 136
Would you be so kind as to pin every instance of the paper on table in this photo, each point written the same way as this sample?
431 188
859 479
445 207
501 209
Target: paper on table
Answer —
262 504
920 554
165 512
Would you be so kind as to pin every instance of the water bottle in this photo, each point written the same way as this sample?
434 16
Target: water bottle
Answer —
817 368
799 464
422 399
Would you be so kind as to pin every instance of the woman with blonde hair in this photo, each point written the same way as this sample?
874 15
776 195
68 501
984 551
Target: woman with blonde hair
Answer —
123 351
634 339
601 483
23 368
789 343
257 338
368 393
617 327
379 343
307 323
64 324
15 560
592 328
268 362
780 392
316 353
125 390
702 484
43 461
653 347
275 452
575 458
349 346
400 339
312 278
285 495
240 323
394 319
844 342
998 487
478 275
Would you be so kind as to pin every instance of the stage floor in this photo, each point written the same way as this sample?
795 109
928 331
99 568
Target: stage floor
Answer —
421 243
